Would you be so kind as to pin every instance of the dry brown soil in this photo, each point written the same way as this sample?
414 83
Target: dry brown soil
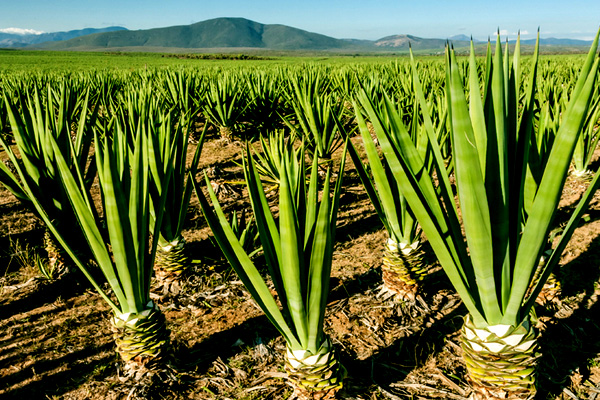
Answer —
56 343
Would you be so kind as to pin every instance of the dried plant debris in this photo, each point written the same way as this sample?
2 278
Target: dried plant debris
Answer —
55 341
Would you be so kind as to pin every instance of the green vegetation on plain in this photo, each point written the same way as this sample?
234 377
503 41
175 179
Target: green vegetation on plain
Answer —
498 132
48 62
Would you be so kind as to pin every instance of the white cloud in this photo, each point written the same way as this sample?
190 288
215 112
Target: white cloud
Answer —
20 31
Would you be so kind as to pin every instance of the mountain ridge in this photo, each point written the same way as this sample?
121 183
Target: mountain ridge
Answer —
240 33
213 33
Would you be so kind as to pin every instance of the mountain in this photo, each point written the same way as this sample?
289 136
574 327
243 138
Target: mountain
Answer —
401 42
462 38
559 42
235 34
223 33
19 40
213 33
241 33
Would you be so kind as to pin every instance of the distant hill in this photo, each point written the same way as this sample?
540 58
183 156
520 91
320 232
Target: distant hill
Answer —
240 34
12 40
401 42
462 38
559 42
214 33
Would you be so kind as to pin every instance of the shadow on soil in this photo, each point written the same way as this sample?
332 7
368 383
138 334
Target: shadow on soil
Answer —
568 344
222 344
44 292
79 367
393 363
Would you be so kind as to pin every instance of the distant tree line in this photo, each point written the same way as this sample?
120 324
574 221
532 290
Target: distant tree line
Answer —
216 56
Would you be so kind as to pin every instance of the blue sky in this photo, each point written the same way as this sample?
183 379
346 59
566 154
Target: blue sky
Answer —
341 19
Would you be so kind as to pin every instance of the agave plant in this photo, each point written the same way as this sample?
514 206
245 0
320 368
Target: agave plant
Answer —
225 102
267 160
505 233
264 96
105 89
119 243
403 266
246 231
345 82
38 121
273 149
318 115
169 143
168 148
179 94
298 251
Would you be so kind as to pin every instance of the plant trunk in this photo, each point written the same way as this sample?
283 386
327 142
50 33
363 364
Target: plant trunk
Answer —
316 376
501 360
226 134
403 269
171 261
58 259
142 340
